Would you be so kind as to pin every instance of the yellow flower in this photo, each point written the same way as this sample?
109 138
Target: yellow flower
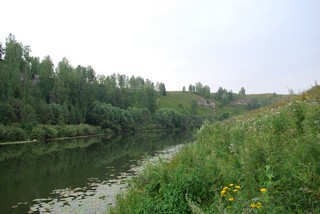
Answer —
223 192
263 190
253 205
231 185
235 190
225 188
238 187
231 199
259 205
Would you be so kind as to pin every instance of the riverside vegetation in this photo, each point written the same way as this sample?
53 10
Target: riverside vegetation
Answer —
264 161
40 101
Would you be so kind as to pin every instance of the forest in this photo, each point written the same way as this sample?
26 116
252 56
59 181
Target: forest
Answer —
39 100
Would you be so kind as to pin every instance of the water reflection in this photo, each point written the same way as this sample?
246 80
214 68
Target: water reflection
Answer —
67 176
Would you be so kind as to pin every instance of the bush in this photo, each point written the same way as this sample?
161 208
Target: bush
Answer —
15 134
38 133
169 118
7 114
3 131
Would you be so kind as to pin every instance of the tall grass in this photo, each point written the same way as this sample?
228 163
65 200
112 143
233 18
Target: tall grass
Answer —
266 161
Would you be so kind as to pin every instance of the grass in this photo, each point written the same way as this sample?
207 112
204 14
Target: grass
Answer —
265 161
181 102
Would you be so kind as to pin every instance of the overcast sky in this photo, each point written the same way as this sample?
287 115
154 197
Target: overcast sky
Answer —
262 45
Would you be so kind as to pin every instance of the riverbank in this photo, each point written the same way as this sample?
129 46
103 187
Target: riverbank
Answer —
266 161
107 132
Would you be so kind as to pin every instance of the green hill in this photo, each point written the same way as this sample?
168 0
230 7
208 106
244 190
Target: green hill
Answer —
221 108
181 102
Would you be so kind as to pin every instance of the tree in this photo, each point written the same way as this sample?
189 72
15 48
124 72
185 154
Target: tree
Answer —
46 78
199 88
162 89
1 51
7 114
183 88
242 91
206 92
149 98
230 93
192 88
220 92
13 73
169 118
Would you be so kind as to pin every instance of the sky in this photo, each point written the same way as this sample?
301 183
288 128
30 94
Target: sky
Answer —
264 46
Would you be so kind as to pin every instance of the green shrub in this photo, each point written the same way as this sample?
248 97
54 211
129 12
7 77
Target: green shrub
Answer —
3 131
38 133
51 132
15 134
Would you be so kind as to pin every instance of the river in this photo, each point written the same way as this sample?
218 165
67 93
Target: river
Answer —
79 175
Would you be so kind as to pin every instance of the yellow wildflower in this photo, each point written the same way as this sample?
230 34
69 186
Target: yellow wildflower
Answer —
263 190
231 199
253 205
223 192
235 190
238 187
225 188
259 205
231 185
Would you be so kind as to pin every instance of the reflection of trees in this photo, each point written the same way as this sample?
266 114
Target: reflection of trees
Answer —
33 170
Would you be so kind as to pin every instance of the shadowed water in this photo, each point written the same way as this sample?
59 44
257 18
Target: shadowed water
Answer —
76 176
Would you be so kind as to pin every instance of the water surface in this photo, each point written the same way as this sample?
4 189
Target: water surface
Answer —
76 176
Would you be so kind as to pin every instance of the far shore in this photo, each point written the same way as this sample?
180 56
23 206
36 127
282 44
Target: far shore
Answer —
55 139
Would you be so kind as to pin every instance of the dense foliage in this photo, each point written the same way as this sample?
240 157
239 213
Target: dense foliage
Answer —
33 92
266 161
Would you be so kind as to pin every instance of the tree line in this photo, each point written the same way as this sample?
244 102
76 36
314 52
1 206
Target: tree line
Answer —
33 91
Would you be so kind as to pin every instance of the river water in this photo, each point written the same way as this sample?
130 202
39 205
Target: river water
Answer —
77 176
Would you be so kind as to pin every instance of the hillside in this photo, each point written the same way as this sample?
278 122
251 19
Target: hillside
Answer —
181 102
264 161
221 108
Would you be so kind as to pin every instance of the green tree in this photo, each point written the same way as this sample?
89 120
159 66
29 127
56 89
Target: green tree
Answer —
199 88
162 89
169 118
12 72
242 91
45 78
7 114
64 83
192 88
220 92
1 51
206 92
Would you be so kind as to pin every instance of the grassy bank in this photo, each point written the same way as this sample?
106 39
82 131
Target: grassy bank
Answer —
266 161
